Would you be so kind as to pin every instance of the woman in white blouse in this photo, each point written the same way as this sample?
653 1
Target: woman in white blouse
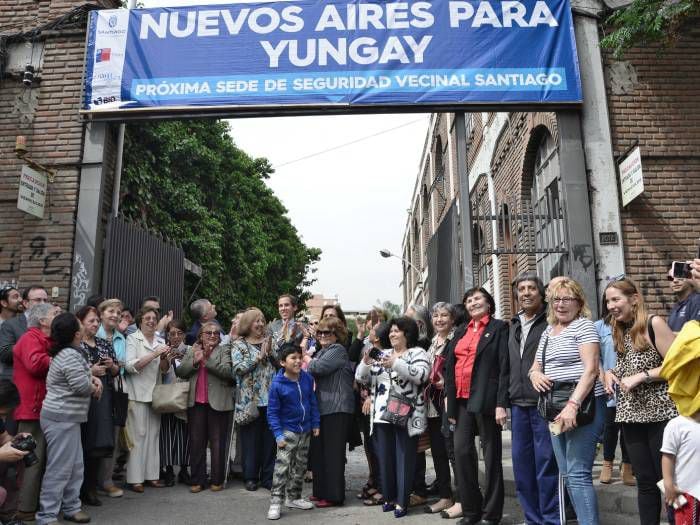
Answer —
143 364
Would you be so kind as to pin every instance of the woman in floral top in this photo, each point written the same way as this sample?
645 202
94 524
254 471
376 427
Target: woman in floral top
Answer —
252 367
643 405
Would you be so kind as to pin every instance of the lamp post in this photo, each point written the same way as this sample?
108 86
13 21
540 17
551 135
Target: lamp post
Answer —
386 254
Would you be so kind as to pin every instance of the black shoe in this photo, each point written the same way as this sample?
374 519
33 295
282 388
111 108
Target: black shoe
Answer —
489 522
251 486
432 489
90 498
184 476
469 521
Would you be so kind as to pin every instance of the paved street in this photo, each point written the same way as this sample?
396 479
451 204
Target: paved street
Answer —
235 505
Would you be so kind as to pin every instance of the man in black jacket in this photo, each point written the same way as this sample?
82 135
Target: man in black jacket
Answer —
534 464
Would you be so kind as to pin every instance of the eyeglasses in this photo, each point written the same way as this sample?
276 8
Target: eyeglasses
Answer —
564 300
210 334
39 300
324 333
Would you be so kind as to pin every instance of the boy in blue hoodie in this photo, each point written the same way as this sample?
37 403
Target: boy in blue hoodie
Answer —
292 414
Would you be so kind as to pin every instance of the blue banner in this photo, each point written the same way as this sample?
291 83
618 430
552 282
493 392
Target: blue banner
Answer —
332 53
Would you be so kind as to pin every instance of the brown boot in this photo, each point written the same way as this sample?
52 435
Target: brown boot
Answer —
627 475
606 472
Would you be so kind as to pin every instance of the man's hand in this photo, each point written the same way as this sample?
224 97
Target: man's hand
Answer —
9 454
281 443
316 432
501 416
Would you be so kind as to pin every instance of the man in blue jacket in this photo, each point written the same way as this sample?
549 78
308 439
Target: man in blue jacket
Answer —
292 413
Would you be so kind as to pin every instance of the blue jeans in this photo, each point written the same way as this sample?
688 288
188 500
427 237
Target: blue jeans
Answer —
575 451
534 467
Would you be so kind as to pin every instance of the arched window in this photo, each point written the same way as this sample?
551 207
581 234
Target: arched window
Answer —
546 202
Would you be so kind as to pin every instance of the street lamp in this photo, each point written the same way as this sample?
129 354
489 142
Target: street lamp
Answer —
386 254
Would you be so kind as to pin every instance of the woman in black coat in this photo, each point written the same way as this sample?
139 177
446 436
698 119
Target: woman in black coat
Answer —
476 387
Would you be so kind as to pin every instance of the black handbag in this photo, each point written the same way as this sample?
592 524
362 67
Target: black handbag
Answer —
552 402
120 403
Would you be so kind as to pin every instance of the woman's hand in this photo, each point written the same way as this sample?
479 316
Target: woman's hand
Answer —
366 359
198 353
671 492
98 370
610 381
567 417
388 361
367 406
501 416
627 384
96 387
540 382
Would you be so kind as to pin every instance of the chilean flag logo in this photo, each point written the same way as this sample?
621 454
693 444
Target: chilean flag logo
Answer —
104 54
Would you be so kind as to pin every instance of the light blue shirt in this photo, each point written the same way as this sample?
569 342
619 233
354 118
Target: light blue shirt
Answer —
607 350
118 343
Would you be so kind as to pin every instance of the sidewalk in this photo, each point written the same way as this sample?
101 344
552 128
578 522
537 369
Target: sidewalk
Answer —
617 503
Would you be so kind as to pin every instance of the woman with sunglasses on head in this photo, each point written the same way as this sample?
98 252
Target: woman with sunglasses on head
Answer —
643 404
252 362
569 354
174 432
331 369
207 365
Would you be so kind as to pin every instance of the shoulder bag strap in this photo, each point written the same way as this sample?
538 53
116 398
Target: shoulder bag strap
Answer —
544 351
650 329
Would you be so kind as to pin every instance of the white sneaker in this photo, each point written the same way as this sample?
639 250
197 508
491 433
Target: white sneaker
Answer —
274 512
300 504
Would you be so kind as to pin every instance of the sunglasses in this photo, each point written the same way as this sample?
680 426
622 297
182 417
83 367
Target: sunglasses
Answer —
324 333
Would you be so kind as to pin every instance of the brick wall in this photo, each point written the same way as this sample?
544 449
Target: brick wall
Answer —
654 98
39 251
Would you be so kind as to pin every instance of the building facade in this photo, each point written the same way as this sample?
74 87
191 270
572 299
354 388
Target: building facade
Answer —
543 187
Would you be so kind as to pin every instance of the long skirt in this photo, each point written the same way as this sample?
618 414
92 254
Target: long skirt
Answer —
174 441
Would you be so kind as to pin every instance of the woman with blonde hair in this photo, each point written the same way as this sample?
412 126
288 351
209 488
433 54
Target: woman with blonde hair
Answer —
568 358
643 404
252 363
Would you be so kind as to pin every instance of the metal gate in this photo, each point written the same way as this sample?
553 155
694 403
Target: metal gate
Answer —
139 263
530 233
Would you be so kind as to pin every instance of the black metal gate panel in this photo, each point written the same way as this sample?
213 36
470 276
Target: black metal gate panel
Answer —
139 263
444 269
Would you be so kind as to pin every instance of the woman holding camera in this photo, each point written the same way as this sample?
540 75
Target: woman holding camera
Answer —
391 375
69 386
251 361
643 404
207 365
569 354
476 389
98 430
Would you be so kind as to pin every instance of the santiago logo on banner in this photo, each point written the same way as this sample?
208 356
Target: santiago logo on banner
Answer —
316 53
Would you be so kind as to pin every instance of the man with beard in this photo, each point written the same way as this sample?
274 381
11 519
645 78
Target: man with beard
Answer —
10 303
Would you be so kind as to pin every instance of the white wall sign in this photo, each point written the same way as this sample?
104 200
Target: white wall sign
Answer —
631 177
32 192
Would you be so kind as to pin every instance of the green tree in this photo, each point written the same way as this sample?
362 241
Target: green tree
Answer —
390 309
188 181
648 21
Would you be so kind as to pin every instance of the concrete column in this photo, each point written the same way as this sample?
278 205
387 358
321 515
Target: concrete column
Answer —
578 212
597 144
87 253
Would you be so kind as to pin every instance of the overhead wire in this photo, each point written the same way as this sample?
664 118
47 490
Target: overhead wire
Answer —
345 144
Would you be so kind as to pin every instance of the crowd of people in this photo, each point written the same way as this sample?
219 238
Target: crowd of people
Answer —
103 395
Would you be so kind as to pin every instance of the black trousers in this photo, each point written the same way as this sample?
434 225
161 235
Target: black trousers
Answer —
208 426
441 461
258 448
643 442
397 462
610 433
469 425
420 488
328 457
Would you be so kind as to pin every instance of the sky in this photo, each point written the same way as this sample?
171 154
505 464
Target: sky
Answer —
351 201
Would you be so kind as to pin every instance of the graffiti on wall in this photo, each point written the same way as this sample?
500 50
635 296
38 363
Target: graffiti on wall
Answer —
49 259
80 285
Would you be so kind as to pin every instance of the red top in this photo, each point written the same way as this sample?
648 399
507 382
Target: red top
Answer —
465 353
31 361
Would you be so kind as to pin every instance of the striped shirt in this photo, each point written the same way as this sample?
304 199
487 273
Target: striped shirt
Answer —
563 356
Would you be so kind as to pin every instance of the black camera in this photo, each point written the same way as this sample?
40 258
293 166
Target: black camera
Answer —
26 444
376 353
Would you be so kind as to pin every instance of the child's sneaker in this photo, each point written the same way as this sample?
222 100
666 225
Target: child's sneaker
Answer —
274 512
300 504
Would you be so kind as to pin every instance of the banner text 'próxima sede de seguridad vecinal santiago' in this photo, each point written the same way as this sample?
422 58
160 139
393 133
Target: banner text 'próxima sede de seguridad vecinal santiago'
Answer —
320 53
